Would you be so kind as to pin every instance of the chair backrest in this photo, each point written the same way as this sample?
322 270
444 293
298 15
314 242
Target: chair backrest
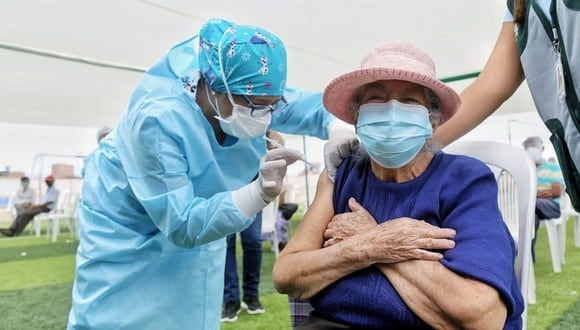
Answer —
508 202
516 175
61 202
70 206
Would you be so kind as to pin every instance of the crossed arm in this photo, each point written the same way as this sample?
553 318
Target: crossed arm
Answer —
326 248
555 191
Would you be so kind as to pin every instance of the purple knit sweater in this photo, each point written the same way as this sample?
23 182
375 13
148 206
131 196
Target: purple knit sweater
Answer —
454 192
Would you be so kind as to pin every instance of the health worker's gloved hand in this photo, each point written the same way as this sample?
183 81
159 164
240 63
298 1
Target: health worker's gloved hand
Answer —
255 196
342 142
273 170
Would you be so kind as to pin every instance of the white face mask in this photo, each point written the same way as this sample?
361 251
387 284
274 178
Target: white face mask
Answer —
241 123
535 154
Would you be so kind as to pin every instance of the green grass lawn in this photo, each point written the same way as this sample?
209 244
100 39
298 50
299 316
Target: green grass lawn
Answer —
557 293
36 279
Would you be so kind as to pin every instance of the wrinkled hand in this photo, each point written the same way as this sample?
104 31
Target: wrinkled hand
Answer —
273 169
405 239
339 146
348 224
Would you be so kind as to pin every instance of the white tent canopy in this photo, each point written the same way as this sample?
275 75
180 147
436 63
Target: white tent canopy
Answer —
74 63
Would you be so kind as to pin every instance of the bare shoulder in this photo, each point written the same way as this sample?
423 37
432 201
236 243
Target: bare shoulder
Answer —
309 234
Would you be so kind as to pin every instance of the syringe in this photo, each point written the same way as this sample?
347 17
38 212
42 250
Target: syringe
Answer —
277 144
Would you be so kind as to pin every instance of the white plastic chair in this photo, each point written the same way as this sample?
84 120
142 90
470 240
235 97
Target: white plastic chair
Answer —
569 212
556 231
38 219
516 175
65 211
269 225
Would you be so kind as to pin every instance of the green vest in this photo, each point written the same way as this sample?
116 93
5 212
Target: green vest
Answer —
550 56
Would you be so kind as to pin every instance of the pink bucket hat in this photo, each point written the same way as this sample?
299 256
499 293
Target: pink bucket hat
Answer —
393 61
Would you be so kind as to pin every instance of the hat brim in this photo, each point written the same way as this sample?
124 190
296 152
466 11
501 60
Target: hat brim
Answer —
339 93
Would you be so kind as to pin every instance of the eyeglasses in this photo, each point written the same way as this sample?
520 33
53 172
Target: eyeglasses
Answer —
259 110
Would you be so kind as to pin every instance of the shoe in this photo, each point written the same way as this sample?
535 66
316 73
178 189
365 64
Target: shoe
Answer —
230 311
6 232
253 305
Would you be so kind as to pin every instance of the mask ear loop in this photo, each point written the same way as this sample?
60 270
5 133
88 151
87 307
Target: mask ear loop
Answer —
214 107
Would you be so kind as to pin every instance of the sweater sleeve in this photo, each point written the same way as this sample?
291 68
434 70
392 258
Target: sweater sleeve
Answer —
484 249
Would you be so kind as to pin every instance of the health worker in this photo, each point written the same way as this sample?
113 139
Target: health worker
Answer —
176 176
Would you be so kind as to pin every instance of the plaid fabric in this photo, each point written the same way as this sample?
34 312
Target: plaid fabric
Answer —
299 311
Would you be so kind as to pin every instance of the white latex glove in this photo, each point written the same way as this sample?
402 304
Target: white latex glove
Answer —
256 195
342 141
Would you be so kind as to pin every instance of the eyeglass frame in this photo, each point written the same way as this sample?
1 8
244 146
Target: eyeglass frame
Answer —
260 110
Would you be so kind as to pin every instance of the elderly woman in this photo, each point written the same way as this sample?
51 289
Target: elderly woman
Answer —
406 236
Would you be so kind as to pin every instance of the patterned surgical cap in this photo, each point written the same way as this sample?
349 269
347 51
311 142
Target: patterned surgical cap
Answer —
251 60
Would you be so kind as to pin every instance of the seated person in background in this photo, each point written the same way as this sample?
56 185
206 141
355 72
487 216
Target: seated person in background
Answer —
407 237
550 184
47 203
24 197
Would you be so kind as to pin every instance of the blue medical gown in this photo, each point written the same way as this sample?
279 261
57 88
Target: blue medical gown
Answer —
156 206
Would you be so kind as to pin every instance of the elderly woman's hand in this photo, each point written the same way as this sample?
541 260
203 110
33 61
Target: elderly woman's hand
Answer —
391 241
405 239
348 224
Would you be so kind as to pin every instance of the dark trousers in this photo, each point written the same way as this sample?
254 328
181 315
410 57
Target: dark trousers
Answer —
546 208
251 262
24 217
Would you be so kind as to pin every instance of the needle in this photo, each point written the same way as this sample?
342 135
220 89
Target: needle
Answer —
278 145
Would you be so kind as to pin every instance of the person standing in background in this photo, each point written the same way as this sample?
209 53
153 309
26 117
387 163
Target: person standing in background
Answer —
538 42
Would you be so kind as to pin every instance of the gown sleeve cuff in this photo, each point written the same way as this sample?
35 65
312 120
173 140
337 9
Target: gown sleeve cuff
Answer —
248 199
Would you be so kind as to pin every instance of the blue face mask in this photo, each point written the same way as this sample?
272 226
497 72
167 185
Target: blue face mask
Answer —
393 133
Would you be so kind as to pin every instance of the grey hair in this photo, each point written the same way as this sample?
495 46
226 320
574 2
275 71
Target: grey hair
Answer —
434 107
533 141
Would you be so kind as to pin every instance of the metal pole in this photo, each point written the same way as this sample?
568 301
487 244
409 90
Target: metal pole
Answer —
461 77
69 57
